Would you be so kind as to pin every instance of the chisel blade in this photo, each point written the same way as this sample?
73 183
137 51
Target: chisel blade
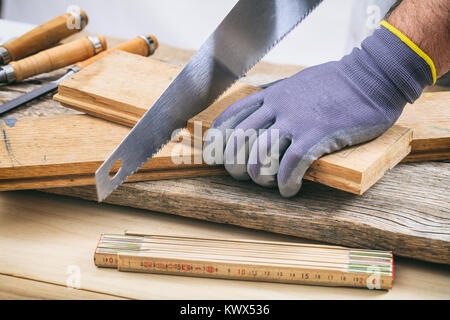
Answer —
246 34
27 97
36 93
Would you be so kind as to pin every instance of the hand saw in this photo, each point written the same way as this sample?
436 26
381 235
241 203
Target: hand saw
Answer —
246 34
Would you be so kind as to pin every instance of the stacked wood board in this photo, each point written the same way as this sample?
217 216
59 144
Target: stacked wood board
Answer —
66 150
100 92
407 211
429 117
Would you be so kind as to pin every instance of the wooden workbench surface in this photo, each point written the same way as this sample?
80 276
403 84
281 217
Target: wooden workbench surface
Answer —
46 239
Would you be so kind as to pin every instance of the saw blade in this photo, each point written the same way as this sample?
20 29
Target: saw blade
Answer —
246 34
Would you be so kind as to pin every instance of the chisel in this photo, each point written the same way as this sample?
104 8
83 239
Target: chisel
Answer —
142 45
43 36
52 59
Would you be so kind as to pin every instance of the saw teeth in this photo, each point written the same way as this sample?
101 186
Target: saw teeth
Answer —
251 65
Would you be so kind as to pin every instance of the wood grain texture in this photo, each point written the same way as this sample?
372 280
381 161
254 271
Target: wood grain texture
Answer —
119 100
429 117
66 150
14 288
40 107
55 58
43 36
407 212
65 231
136 45
97 91
120 87
263 72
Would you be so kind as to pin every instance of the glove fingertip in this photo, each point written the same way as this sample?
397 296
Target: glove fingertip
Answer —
292 169
237 171
254 173
290 189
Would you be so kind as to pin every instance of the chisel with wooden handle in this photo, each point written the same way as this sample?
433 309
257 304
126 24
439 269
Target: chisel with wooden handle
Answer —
52 59
142 45
43 36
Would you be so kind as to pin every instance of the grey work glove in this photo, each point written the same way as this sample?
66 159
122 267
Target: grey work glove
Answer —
317 111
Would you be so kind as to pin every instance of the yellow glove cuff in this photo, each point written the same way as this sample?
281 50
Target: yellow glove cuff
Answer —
412 45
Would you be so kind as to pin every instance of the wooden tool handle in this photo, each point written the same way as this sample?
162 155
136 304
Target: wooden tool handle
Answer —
46 35
137 45
56 58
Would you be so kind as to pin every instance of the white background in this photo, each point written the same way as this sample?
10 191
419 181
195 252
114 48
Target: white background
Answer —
327 34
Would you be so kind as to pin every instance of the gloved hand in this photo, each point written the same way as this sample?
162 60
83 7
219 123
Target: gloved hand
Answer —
319 110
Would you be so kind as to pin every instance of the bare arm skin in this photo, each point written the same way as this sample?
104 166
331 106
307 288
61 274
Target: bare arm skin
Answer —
427 24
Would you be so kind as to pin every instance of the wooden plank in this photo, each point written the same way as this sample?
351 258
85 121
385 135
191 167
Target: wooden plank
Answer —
100 92
65 231
66 150
105 94
95 90
407 211
358 168
13 288
89 179
429 117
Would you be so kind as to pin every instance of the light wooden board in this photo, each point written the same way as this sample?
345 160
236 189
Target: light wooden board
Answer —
429 117
118 87
100 92
97 91
66 150
42 235
15 288
407 211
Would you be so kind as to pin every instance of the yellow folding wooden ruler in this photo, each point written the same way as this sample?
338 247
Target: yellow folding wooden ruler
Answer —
284 262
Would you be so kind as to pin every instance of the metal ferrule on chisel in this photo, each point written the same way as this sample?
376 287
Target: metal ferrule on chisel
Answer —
151 42
5 57
7 75
98 46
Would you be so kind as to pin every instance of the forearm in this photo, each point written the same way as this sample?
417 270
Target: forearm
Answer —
427 24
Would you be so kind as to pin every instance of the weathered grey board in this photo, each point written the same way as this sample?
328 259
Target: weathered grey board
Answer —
407 212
